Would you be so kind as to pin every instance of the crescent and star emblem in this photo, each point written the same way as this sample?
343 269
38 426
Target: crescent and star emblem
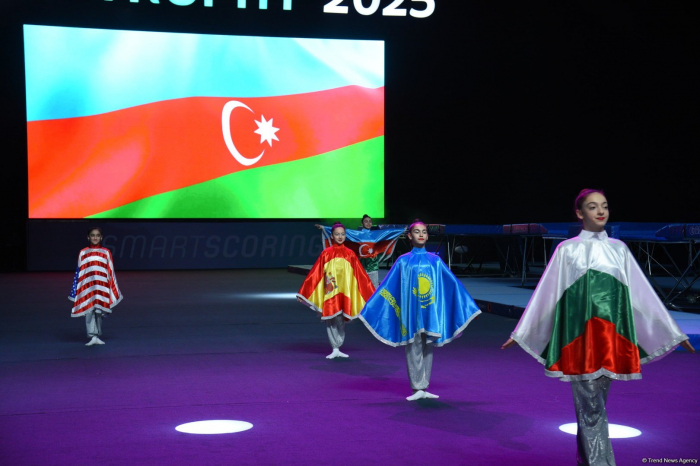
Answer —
364 254
265 130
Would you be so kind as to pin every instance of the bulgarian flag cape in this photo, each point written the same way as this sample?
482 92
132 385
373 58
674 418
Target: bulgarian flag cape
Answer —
337 284
594 314
368 244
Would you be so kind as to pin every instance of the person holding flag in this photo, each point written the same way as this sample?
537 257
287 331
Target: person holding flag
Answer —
371 244
371 264
593 318
337 287
95 291
420 304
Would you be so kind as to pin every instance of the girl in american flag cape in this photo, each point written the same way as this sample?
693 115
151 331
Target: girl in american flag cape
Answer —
95 291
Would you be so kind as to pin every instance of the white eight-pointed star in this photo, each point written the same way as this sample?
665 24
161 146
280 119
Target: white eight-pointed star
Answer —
266 130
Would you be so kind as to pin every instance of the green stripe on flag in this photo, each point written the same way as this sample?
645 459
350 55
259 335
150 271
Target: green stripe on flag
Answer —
595 294
343 183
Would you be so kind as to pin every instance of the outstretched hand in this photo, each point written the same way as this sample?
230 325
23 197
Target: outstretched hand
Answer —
320 227
686 344
508 343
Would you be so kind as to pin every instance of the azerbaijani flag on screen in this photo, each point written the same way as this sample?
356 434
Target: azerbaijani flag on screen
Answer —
129 124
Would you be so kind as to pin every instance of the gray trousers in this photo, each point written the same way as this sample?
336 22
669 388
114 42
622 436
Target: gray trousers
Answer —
335 328
374 278
93 323
592 439
419 361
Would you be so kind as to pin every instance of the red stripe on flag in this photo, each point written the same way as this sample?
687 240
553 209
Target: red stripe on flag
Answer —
378 248
91 297
598 347
93 263
90 278
83 166
336 304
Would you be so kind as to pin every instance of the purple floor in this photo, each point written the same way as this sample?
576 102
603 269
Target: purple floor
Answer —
188 346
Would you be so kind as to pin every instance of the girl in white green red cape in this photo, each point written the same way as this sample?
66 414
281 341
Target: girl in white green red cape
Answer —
594 317
337 288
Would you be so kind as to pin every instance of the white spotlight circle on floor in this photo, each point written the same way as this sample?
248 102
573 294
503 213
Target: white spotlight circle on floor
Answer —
614 430
214 427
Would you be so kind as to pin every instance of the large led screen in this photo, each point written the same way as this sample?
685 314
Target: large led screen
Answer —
131 124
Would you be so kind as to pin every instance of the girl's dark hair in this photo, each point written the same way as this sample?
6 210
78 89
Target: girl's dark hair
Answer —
416 222
95 228
578 203
337 225
365 216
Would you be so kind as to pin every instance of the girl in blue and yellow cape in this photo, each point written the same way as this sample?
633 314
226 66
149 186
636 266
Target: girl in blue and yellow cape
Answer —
419 304
337 288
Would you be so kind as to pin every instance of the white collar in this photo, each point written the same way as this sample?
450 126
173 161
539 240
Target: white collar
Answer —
585 234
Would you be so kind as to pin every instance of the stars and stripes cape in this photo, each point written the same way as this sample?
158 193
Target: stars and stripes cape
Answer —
94 284
372 246
419 295
337 284
594 313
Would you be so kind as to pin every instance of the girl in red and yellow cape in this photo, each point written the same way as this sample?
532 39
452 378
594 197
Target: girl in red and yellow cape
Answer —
337 287
95 291
594 317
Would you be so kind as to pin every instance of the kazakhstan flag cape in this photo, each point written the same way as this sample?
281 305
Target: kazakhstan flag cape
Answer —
337 284
594 314
419 295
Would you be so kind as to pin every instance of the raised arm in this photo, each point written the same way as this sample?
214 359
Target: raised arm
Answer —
657 332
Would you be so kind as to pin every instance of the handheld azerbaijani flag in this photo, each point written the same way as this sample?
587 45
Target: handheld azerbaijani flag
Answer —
130 124
367 244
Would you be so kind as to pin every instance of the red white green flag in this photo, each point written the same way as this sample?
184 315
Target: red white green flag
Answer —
594 313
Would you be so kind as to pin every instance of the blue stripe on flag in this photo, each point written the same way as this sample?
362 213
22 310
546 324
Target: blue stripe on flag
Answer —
73 72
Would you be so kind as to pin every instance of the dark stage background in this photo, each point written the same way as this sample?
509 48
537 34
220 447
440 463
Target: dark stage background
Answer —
496 112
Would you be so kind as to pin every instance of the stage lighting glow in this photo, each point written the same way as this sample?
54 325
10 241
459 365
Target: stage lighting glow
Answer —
214 427
272 295
614 430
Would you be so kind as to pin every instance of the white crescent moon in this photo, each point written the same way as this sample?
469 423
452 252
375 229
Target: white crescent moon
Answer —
226 128
359 250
